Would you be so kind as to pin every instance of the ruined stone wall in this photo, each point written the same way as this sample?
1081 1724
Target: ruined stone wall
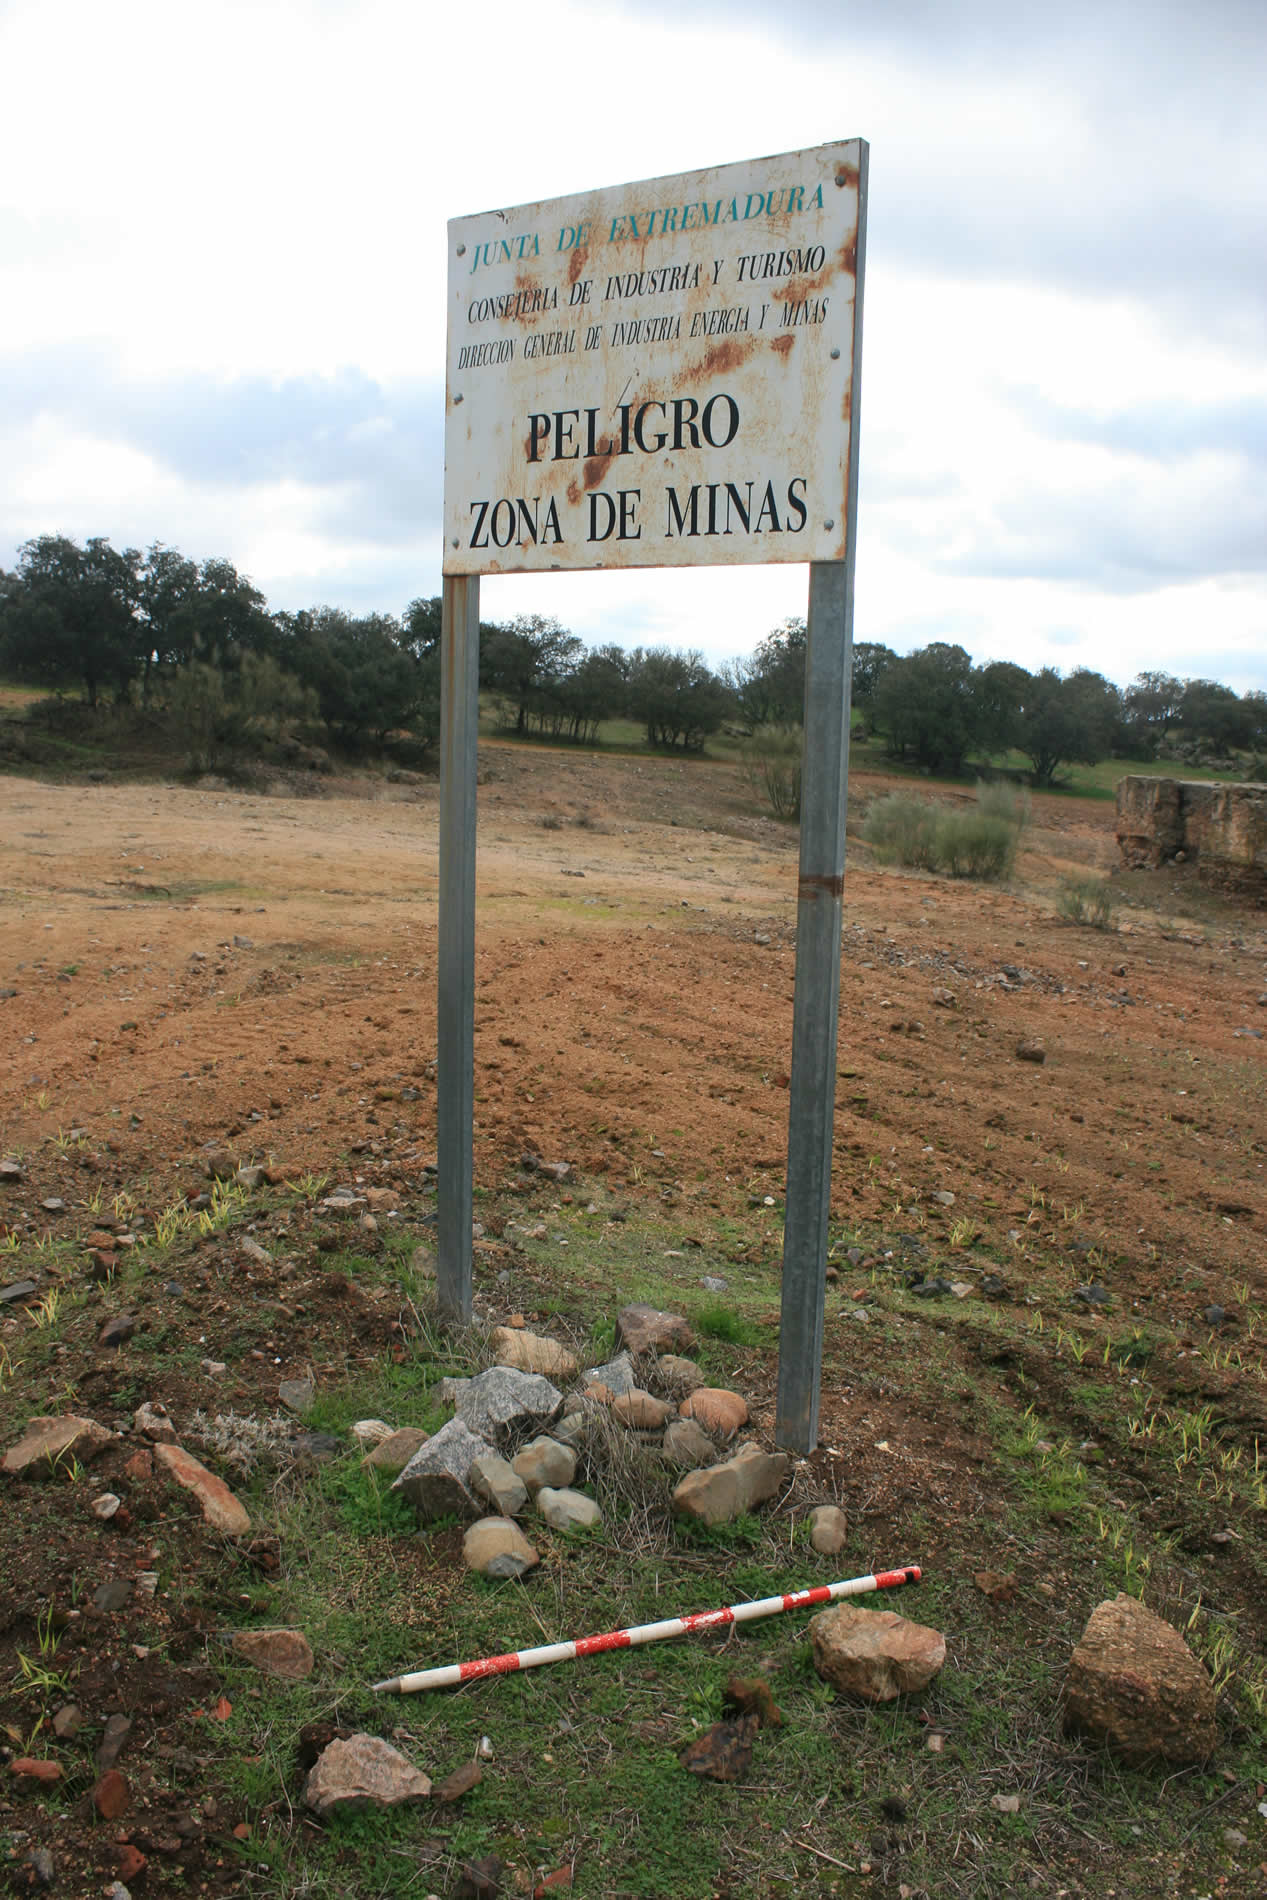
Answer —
1221 828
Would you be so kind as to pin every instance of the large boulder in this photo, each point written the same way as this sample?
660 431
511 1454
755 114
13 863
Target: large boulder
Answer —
727 1490
874 1654
1134 1684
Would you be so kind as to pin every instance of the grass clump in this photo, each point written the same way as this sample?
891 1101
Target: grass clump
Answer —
1088 901
926 836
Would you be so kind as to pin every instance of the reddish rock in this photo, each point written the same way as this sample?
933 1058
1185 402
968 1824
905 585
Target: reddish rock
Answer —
1135 1684
46 1773
45 1440
716 1410
647 1329
874 1654
132 1861
362 1772
639 1410
219 1506
139 1466
460 1782
285 1654
112 1796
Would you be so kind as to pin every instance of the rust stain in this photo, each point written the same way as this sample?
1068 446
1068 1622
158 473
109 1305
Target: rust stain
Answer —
847 177
820 884
782 344
718 361
577 262
594 470
846 406
526 285
574 491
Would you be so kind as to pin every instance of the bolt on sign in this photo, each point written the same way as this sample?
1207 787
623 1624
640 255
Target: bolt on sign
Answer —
658 374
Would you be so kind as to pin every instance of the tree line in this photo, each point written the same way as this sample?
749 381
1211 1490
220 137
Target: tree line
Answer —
197 644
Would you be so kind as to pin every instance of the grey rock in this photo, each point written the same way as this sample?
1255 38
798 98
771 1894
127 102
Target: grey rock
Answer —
435 1480
153 1421
492 1479
565 1510
113 1594
617 1375
17 1290
677 1378
297 1395
827 1529
687 1445
42 1867
496 1547
545 1462
113 1741
117 1331
250 1177
502 1400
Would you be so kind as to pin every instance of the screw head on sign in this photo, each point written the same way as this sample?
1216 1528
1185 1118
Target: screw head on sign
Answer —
462 247
842 178
456 542
835 356
458 397
829 524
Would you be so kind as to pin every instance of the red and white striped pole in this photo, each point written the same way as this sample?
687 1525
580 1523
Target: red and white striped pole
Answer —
452 1673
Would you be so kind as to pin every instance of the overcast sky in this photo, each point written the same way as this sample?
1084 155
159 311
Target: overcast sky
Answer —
222 306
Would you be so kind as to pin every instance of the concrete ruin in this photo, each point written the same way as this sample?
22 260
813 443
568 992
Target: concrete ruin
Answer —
1222 829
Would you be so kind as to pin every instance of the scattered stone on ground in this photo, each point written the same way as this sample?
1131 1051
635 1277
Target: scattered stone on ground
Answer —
1134 1684
480 1879
752 1695
286 1654
1029 1051
1000 1587
394 1452
1006 1803
496 1481
112 1796
297 1395
647 1329
726 1491
219 1506
875 1654
496 1547
460 1782
45 1440
723 1752
362 1772
153 1421
718 1411
435 1481
113 1741
544 1462
532 1352
502 1401
371 1431
827 1529
565 1510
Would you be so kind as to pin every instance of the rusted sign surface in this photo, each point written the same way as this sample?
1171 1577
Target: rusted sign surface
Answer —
656 375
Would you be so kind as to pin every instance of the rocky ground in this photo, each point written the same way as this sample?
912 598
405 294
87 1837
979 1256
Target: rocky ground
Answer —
1049 1142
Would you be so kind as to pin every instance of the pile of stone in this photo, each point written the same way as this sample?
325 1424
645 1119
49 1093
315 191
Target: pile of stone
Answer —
472 1469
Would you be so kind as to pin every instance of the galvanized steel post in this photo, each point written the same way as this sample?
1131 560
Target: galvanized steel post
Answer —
455 1037
812 1088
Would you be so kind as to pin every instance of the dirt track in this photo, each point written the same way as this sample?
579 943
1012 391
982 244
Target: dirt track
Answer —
195 965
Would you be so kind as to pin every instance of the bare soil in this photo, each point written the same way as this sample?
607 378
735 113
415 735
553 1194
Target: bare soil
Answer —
195 969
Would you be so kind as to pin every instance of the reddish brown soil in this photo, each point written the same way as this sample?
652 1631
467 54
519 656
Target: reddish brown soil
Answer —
198 966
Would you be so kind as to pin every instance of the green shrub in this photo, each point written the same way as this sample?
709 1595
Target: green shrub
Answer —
1087 900
903 830
970 844
772 766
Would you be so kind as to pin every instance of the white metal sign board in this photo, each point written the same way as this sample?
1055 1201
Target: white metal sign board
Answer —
656 375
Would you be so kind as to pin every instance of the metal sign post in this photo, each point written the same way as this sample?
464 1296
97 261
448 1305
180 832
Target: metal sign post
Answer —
662 374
